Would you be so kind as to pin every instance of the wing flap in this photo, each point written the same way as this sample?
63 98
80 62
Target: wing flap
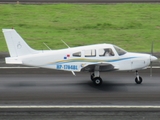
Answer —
102 67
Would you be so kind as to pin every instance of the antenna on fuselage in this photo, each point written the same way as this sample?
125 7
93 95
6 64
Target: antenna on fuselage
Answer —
65 43
47 46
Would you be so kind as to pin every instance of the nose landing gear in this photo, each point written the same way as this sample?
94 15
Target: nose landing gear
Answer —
138 79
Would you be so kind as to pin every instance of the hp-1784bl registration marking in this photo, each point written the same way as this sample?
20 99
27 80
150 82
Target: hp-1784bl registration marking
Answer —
67 67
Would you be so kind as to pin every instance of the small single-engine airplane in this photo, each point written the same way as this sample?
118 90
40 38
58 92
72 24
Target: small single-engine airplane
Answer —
92 58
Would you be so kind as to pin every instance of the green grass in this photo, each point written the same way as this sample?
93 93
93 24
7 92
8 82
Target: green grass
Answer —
130 26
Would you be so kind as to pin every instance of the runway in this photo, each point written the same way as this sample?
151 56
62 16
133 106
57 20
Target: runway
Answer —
43 87
62 88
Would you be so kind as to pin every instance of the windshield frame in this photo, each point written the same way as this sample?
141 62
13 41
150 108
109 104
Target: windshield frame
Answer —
119 50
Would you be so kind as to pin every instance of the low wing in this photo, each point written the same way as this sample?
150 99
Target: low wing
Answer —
101 67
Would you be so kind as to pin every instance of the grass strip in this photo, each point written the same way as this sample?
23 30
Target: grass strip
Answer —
130 26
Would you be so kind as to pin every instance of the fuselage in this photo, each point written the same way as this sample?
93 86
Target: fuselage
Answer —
74 59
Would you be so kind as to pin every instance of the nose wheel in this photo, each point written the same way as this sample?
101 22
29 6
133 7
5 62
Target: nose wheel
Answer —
138 79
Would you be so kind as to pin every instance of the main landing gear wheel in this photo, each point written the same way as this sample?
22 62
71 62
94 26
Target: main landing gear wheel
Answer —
92 76
138 81
97 81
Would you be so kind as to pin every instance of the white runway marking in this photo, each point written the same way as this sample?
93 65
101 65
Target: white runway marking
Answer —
79 107
17 67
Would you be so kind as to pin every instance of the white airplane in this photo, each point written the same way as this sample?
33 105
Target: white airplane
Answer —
91 58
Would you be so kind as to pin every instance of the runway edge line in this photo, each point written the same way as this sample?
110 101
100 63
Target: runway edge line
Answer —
80 107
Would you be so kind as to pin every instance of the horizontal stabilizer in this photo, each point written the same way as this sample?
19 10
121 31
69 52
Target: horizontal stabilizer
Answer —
13 60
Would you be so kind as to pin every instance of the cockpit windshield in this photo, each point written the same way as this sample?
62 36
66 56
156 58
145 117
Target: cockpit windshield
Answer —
119 50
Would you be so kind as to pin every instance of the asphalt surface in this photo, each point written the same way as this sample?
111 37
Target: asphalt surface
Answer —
50 87
80 1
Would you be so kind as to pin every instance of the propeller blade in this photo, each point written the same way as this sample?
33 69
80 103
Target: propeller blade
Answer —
151 69
150 59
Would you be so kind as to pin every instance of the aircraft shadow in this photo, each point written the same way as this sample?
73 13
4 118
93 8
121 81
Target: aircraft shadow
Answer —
87 85
109 86
21 84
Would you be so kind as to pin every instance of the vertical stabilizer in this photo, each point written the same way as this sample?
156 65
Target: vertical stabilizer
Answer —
16 45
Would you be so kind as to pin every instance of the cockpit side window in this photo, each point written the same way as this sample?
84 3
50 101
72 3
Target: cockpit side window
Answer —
105 52
76 54
119 51
90 53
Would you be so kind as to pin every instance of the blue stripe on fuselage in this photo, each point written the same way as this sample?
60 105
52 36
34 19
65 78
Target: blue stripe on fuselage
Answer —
120 59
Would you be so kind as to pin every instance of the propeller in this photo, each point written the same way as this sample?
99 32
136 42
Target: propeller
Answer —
150 59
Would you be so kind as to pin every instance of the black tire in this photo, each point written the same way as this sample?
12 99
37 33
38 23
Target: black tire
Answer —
97 81
92 76
138 81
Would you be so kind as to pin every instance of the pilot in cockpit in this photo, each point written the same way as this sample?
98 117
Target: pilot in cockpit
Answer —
108 52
